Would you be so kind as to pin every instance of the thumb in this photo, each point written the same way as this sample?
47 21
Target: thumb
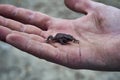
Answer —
82 6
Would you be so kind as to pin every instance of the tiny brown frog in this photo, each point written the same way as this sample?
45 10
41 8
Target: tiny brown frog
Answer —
61 38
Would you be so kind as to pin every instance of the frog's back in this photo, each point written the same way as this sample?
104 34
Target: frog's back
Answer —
63 36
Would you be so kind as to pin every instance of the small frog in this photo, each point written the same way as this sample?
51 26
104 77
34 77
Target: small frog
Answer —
61 38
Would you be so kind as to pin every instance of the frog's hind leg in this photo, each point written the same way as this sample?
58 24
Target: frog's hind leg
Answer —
63 42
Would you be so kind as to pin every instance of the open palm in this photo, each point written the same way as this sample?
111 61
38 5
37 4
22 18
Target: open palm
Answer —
97 32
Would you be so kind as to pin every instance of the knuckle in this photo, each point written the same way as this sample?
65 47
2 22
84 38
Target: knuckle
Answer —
23 28
28 45
15 11
31 16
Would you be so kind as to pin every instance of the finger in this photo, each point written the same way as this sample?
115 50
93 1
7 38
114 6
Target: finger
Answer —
17 26
30 43
31 36
6 31
82 6
25 16
41 50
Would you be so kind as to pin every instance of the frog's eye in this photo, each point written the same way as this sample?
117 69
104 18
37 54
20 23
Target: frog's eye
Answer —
50 38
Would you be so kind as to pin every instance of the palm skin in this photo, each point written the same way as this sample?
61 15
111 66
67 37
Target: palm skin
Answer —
97 32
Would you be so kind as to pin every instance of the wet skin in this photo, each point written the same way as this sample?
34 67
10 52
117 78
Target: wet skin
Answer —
61 38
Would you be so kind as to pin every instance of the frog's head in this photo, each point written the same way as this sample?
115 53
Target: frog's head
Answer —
50 39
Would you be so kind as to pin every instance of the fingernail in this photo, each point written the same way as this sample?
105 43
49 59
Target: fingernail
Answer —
4 32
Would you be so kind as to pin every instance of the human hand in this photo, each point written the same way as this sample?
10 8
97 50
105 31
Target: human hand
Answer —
97 32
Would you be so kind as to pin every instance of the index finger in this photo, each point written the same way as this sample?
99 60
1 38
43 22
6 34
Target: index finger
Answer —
25 16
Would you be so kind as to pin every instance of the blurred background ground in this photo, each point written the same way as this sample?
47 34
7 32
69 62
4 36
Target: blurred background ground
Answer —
18 65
